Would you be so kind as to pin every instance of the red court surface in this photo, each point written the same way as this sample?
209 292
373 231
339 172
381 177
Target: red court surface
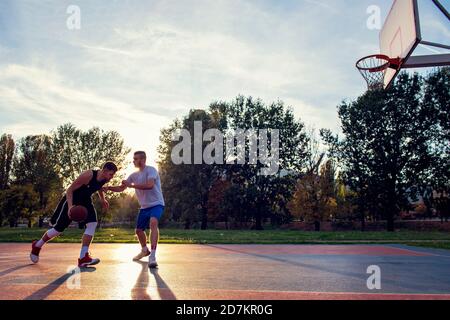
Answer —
227 272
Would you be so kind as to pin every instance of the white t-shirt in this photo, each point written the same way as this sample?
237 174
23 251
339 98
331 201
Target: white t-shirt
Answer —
152 197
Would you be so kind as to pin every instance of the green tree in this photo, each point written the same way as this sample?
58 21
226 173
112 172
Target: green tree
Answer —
215 203
75 151
442 205
315 197
33 165
239 203
385 149
186 186
436 102
345 202
7 147
124 209
19 201
269 195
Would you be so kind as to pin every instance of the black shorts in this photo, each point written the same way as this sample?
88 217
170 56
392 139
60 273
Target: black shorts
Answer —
60 219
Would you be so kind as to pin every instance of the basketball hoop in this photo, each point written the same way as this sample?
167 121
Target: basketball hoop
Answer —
373 68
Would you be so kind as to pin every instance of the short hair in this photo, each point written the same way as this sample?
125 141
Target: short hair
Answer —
140 153
110 166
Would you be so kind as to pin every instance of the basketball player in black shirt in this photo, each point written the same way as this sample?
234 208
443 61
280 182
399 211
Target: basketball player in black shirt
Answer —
79 193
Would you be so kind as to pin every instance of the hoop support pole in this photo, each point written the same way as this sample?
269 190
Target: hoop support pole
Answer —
442 8
437 60
434 44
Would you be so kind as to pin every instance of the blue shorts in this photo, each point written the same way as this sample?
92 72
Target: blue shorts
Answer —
144 216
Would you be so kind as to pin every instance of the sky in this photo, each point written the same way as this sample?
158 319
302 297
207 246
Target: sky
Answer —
135 66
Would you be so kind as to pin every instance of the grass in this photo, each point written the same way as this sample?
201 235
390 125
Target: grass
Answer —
427 239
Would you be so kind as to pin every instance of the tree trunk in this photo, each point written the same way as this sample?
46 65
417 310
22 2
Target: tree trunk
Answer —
390 222
204 225
41 200
41 222
258 225
317 226
29 223
363 221
258 219
391 206
273 221
187 224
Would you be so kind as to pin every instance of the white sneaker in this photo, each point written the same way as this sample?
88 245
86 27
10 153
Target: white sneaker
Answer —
144 253
152 262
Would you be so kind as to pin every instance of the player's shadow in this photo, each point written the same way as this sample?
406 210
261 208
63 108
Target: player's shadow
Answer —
139 291
11 270
51 287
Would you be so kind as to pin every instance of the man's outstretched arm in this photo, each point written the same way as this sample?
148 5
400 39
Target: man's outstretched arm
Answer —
115 188
147 186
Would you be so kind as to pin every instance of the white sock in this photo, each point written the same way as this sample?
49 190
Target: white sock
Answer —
145 249
153 253
84 250
40 243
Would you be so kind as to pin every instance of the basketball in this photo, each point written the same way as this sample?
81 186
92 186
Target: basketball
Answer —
78 213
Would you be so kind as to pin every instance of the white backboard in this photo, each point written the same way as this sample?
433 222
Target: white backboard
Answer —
400 34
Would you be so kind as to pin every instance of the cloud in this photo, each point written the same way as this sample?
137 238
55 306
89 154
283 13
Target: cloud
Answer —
323 4
43 100
195 66
137 67
108 50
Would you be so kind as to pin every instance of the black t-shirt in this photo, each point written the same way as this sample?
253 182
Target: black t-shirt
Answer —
85 192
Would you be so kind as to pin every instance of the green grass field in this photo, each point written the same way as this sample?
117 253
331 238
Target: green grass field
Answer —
427 239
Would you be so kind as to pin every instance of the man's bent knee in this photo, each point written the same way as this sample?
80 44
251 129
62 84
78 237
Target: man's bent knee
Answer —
52 233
